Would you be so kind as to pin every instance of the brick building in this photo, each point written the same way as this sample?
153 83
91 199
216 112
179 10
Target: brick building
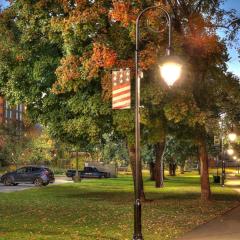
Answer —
11 129
11 115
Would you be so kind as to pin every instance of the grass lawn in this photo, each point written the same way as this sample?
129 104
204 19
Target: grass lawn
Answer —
103 209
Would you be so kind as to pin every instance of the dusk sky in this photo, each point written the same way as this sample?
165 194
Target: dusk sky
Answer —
234 63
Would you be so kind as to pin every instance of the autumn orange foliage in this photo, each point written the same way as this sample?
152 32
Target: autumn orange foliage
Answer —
201 37
122 12
148 56
19 58
103 56
204 45
67 72
129 63
106 83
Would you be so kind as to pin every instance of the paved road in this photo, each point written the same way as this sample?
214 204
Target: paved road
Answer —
225 227
20 187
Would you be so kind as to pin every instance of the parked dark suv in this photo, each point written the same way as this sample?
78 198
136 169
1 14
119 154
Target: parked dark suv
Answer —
40 176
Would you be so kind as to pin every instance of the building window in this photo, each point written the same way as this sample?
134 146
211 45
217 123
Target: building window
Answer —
19 112
6 109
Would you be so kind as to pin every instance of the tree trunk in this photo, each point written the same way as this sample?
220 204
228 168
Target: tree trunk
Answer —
182 166
159 174
172 169
131 151
152 172
199 167
205 185
163 171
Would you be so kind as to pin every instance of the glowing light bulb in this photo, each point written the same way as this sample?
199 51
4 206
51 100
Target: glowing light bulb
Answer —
170 72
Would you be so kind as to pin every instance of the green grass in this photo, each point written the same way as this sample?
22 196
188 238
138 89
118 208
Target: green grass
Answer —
103 209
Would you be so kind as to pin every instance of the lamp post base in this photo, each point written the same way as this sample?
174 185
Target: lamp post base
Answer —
137 221
137 238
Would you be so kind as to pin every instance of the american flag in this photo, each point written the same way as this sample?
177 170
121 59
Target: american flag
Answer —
121 89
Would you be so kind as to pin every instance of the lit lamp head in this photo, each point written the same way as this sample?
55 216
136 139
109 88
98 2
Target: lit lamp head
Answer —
230 151
235 158
232 136
170 69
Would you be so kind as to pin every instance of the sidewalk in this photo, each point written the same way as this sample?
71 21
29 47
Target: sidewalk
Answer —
225 227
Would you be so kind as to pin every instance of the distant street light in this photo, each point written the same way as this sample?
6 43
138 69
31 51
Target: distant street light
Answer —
230 151
170 71
232 136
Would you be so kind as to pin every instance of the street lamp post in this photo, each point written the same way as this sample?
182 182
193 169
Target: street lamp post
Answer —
223 171
238 165
170 78
236 161
223 161
230 152
231 137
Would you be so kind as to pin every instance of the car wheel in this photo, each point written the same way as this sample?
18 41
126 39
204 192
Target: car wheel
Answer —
7 181
45 184
38 182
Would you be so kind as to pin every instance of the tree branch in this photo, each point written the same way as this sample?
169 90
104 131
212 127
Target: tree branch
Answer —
198 6
235 21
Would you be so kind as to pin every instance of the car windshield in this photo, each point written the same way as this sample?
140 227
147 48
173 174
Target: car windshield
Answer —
21 170
47 169
35 169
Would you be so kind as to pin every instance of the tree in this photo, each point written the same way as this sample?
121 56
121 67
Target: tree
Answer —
114 151
177 152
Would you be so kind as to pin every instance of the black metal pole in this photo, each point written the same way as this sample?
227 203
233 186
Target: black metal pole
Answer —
137 203
223 162
223 173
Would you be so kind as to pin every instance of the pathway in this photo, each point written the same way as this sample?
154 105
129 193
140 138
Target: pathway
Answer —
23 186
225 227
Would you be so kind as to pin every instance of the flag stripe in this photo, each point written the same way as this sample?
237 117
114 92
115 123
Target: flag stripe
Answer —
121 95
121 90
126 106
121 100
121 86
121 103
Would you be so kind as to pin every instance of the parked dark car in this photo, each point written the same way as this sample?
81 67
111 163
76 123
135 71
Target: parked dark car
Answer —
71 172
88 172
38 175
